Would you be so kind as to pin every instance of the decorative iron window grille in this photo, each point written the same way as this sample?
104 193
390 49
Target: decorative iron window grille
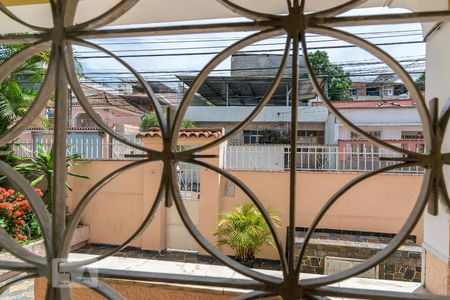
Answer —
294 25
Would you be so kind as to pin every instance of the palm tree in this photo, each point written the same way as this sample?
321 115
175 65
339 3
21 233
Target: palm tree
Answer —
17 92
245 231
39 168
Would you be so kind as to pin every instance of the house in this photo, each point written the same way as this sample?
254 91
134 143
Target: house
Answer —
224 101
84 135
395 121
383 87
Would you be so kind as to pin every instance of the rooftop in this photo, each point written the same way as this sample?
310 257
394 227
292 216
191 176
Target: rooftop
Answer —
246 90
108 100
187 132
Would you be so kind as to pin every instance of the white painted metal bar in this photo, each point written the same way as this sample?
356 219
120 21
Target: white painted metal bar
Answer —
311 158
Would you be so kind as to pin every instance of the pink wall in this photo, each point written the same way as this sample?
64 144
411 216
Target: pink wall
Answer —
110 116
377 205
380 204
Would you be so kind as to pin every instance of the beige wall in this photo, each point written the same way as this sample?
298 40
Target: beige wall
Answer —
437 274
377 204
380 204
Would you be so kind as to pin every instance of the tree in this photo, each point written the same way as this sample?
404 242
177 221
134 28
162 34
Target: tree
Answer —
151 121
245 231
17 92
421 79
338 80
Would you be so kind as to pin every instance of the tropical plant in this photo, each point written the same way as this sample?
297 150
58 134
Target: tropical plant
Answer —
40 169
151 121
245 231
17 91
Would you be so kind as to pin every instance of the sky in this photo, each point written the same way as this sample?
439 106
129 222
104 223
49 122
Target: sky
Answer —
184 61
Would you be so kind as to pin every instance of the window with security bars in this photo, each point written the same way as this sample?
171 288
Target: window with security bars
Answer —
252 136
311 137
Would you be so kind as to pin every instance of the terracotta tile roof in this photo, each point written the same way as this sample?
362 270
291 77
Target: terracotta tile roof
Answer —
105 99
68 128
187 132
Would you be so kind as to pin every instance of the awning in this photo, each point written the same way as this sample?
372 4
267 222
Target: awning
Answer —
246 91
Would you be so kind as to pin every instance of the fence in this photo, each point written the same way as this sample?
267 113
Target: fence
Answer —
363 158
91 149
354 158
96 149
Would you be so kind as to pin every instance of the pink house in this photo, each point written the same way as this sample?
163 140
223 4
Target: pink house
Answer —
115 111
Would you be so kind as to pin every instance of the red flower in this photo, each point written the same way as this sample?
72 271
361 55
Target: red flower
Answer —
6 195
22 236
39 192
11 191
3 205
18 213
24 203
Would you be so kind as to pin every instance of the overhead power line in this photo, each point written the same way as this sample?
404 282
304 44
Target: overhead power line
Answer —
360 63
139 41
242 52
223 46
318 75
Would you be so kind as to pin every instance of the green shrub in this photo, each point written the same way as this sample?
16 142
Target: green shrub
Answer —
245 231
151 121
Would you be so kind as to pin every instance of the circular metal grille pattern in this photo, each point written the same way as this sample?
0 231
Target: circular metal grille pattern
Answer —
294 25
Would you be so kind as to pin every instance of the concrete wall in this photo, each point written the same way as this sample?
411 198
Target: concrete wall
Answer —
268 114
282 126
370 116
437 228
391 132
377 205
380 204
262 65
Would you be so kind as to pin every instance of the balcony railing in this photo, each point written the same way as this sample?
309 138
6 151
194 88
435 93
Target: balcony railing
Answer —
89 149
362 158
311 158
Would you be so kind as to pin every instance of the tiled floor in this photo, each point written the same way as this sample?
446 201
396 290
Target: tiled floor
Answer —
21 291
174 256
